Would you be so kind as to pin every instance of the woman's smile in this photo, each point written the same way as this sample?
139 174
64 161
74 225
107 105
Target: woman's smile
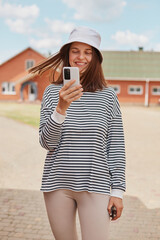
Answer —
80 63
80 55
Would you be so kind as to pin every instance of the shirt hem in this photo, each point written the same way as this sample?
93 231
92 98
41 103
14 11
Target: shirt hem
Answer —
85 190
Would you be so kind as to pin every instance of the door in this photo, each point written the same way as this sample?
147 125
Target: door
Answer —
32 93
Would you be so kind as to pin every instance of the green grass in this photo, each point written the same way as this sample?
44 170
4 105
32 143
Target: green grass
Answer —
28 113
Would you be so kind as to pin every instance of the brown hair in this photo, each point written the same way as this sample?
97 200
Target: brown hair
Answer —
92 79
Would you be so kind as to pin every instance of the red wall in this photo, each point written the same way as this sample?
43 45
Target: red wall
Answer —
124 96
153 98
14 68
16 65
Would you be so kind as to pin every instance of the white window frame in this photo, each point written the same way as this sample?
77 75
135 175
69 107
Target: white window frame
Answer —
156 93
117 86
9 88
135 92
29 61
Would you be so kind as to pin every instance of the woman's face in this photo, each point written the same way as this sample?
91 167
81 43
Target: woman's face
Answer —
80 55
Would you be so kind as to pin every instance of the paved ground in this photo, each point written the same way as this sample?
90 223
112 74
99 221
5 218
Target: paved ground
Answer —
23 216
22 212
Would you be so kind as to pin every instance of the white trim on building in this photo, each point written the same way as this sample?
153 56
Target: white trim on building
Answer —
8 88
135 89
155 90
29 63
116 88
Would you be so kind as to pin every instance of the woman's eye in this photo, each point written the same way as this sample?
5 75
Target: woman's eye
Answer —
74 51
88 53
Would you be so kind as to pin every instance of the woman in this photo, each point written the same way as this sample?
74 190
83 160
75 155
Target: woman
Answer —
85 142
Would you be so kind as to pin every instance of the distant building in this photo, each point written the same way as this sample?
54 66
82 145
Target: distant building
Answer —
15 83
135 76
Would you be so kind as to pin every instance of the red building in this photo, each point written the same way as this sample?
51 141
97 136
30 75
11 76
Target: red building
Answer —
15 83
135 76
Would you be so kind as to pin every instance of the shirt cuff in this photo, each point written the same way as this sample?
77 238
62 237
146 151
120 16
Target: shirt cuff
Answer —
57 117
117 193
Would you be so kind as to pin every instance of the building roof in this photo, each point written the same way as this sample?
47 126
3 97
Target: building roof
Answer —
131 64
28 48
117 65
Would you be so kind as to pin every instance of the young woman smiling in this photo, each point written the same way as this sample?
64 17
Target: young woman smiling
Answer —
80 55
85 164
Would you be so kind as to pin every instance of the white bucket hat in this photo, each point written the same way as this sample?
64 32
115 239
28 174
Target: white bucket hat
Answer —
85 35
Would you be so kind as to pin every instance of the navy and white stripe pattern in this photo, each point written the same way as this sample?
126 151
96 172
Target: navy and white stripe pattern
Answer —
87 151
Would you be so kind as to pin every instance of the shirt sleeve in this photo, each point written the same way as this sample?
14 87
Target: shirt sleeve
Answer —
116 149
49 130
57 117
117 193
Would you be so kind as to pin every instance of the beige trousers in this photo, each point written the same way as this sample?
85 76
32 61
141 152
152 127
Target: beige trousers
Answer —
94 219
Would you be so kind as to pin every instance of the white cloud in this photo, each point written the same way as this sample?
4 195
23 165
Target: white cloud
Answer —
51 37
58 26
19 26
47 43
129 38
18 11
96 10
19 18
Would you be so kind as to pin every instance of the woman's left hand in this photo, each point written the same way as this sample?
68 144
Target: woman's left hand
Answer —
118 203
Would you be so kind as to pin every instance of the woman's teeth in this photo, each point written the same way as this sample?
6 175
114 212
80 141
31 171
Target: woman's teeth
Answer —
81 64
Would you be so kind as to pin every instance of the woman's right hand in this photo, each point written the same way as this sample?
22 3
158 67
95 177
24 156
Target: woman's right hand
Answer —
67 95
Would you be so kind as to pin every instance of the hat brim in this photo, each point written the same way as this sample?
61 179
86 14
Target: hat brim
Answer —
86 42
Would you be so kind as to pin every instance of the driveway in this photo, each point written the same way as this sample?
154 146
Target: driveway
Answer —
22 211
22 158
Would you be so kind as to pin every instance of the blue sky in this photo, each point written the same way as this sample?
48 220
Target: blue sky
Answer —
45 24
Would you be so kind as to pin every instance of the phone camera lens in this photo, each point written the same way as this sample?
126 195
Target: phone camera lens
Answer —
67 73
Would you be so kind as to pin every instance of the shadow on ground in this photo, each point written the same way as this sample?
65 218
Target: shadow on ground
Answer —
23 216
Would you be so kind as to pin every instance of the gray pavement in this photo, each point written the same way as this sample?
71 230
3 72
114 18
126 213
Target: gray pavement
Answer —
23 216
22 210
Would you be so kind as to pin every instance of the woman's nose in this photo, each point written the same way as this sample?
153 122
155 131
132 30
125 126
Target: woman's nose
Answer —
81 56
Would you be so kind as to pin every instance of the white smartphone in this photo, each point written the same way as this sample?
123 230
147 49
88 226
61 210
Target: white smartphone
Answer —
70 73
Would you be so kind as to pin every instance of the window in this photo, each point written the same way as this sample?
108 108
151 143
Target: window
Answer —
156 90
135 90
29 63
8 88
116 88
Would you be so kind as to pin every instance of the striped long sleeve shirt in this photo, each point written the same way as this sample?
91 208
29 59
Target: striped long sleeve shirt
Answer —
86 151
